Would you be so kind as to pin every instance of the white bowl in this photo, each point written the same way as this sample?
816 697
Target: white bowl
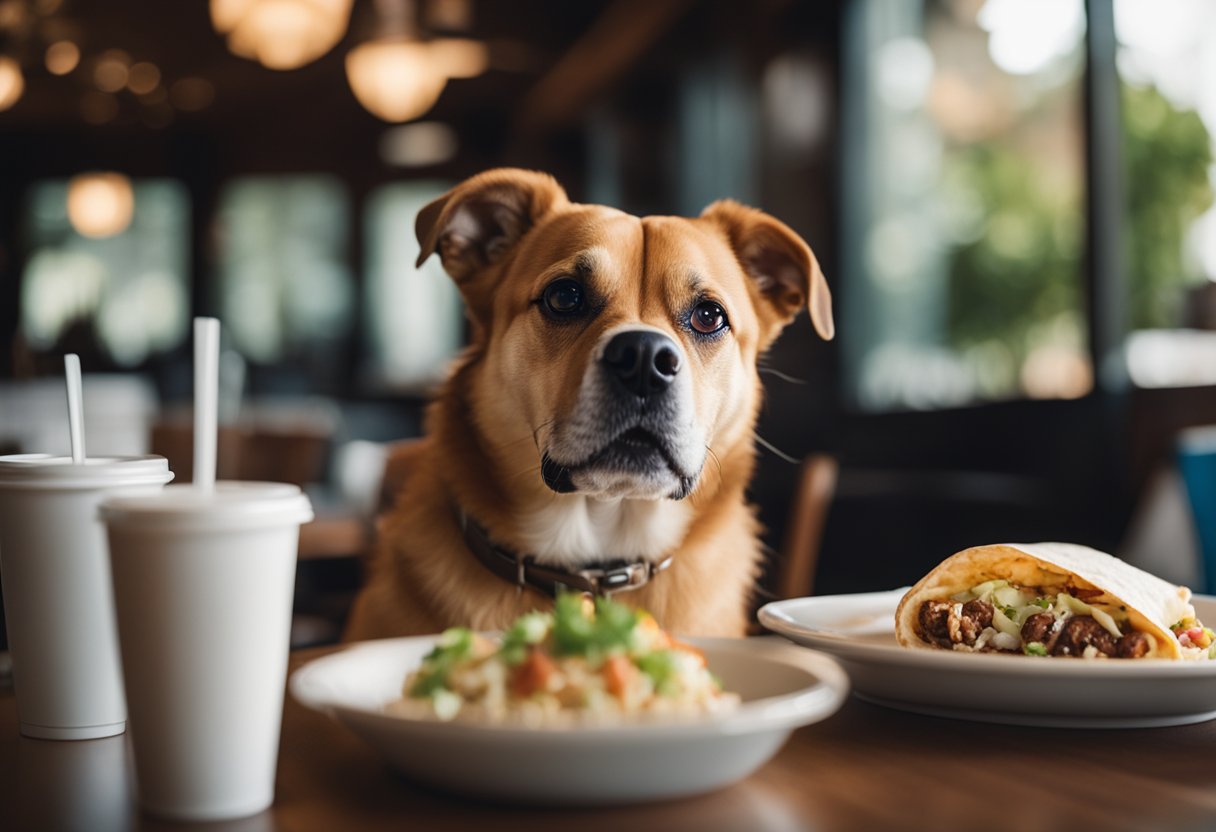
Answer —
782 688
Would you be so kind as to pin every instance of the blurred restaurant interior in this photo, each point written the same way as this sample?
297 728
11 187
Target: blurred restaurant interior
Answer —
1012 201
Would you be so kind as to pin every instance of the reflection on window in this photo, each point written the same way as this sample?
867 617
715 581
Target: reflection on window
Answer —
1167 60
966 227
285 286
127 292
415 315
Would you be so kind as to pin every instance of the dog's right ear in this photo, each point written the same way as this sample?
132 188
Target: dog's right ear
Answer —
475 224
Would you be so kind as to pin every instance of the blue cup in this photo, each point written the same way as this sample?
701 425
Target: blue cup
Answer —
1197 464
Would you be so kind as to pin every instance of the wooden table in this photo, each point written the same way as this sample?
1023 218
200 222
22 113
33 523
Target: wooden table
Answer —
866 768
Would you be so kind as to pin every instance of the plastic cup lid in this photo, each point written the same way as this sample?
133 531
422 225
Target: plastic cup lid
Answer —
44 471
229 505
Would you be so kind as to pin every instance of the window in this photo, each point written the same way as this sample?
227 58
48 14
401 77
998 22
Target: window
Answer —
415 315
964 194
285 286
127 293
1167 60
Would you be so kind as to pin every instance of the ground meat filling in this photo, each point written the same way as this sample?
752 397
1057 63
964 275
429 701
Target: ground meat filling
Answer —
1133 646
1080 632
976 615
934 622
1038 628
947 623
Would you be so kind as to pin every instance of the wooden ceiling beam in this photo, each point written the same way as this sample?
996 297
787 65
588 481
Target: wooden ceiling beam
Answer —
605 53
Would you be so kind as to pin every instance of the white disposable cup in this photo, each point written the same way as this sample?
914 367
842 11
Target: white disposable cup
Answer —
58 601
74 786
203 586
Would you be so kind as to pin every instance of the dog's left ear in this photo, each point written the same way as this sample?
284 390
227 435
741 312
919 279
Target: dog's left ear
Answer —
780 263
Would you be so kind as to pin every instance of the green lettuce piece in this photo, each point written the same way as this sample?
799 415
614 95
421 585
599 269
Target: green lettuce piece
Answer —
572 631
610 631
454 645
660 666
528 629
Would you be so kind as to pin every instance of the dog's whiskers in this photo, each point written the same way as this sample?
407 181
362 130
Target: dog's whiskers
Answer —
502 446
717 462
507 445
783 376
699 493
537 430
774 449
533 469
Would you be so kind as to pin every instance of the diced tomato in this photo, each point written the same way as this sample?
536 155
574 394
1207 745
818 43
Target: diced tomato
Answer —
619 675
532 674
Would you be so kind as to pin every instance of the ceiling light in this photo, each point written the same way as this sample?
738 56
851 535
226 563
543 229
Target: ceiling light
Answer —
395 78
62 57
281 34
111 70
100 204
143 78
12 82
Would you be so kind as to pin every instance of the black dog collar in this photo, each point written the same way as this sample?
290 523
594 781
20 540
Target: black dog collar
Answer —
523 570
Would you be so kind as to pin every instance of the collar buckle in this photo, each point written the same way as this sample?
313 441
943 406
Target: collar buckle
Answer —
622 577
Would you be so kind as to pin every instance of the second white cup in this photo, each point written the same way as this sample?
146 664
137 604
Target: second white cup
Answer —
203 587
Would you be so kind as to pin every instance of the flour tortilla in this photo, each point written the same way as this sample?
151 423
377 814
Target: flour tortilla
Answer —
1153 605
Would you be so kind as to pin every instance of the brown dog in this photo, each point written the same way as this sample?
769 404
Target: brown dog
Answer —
603 411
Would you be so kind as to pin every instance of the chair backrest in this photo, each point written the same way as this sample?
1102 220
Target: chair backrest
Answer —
804 531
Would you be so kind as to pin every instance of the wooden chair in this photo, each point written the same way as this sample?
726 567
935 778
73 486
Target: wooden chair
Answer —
804 530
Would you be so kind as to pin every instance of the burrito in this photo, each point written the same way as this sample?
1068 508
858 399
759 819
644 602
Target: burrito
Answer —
1050 599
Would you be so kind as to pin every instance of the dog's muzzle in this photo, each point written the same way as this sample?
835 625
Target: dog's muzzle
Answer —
631 433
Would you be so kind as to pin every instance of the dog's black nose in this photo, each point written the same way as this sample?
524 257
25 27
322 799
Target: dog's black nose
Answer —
644 362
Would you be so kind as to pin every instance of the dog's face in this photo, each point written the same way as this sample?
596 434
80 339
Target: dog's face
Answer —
621 350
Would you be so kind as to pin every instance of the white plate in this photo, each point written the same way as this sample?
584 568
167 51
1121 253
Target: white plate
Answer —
859 630
782 688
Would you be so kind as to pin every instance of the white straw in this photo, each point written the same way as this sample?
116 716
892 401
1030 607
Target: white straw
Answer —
71 371
206 400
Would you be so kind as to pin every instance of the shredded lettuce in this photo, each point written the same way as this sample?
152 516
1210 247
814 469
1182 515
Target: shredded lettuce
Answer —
1008 596
609 630
1004 623
980 590
660 666
454 645
528 629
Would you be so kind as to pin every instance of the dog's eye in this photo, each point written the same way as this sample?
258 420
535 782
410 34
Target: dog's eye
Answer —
564 297
708 317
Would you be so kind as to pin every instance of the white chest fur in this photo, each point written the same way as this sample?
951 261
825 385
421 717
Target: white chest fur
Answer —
573 529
